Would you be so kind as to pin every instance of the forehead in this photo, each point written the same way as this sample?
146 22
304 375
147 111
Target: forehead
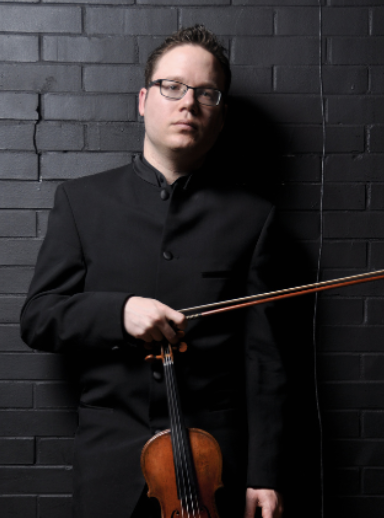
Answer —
190 64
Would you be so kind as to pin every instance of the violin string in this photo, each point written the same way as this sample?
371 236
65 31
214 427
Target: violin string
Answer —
187 488
174 433
182 446
192 493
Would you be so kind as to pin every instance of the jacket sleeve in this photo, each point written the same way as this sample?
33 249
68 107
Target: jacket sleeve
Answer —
58 314
265 376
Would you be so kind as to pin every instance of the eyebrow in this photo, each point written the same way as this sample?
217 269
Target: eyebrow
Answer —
204 85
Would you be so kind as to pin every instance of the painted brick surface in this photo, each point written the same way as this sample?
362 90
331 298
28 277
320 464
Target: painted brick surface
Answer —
70 72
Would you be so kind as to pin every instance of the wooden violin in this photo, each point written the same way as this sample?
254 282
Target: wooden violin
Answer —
182 467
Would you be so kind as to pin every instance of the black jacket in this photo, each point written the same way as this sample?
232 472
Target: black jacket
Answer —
126 232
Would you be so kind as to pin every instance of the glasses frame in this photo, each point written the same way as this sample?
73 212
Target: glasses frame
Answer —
158 82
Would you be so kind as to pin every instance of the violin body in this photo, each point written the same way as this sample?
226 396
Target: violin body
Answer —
157 464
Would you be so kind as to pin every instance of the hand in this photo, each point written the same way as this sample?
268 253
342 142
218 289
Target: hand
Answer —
269 500
149 320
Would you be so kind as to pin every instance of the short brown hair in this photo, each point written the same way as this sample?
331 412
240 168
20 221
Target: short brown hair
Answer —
196 35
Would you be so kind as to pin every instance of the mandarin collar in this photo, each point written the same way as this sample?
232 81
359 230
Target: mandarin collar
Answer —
150 174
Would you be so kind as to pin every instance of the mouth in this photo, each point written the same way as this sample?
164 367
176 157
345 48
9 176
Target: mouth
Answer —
184 124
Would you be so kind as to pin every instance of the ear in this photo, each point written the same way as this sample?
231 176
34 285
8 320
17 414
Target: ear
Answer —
142 97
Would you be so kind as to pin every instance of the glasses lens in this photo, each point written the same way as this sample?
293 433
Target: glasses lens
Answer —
172 89
208 96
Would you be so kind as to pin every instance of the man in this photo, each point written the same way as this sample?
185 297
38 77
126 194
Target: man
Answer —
126 247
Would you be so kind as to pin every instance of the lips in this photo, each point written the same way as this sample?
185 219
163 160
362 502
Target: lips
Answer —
185 124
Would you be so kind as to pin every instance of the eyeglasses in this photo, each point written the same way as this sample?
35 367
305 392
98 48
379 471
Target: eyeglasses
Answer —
174 90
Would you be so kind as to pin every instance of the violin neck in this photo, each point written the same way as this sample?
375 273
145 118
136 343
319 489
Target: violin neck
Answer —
182 456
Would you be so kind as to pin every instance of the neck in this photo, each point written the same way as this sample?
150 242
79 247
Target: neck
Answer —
172 166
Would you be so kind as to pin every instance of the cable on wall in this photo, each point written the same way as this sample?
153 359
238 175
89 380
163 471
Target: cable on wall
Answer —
320 251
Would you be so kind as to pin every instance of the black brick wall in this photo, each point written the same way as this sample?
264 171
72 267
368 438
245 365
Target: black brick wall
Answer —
69 76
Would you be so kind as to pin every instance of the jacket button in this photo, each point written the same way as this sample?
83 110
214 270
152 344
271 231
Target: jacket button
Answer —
115 348
164 194
167 255
157 375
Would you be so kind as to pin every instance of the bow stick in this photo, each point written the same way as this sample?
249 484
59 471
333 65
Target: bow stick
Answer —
262 298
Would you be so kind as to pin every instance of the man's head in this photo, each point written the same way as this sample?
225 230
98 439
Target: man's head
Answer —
196 35
180 126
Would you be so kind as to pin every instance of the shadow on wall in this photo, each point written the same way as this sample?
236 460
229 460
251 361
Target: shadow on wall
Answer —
249 151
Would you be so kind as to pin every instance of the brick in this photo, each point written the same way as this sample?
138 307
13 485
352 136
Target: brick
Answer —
373 367
377 254
301 168
292 108
373 424
15 279
40 78
338 367
13 506
363 290
355 168
146 45
355 506
73 165
54 451
17 451
354 110
347 254
340 311
377 21
32 366
264 51
19 48
376 139
377 80
377 197
341 481
33 18
309 139
337 196
59 136
352 339
357 452
345 21
17 224
247 81
21 423
113 79
10 309
373 481
19 106
18 166
90 107
27 195
353 225
115 137
299 225
57 506
55 395
240 22
10 340
16 136
35 480
42 223
336 80
303 21
344 424
375 311
348 395
182 2
80 49
104 20
357 51
16 395
273 2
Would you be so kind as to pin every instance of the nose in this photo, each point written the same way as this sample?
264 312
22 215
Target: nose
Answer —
189 100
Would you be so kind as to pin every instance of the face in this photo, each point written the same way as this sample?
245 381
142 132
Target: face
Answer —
182 127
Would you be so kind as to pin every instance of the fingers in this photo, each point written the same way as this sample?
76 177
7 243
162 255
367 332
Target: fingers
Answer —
269 500
150 320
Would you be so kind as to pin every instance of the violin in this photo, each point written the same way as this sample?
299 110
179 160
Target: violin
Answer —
182 467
